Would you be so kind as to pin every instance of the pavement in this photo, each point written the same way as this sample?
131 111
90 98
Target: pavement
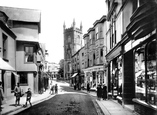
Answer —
112 107
107 107
9 106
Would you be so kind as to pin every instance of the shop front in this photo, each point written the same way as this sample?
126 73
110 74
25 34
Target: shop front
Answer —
114 74
145 68
142 31
94 76
115 77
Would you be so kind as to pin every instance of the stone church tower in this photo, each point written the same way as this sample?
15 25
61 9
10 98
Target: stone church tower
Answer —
72 43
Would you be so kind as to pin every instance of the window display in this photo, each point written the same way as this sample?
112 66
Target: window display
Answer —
116 76
145 73
151 73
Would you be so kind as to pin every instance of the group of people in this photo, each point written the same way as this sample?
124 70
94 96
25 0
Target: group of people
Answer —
102 92
54 89
18 94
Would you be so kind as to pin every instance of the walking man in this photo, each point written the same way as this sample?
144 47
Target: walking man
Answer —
17 94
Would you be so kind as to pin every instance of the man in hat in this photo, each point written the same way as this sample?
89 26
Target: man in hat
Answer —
17 91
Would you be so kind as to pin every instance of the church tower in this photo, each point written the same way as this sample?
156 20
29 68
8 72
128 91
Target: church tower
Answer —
72 43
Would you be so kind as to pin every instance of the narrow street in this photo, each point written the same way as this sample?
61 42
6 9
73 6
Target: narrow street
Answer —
67 102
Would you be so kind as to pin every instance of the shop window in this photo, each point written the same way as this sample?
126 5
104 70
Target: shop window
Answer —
116 77
23 78
145 73
140 73
151 74
29 54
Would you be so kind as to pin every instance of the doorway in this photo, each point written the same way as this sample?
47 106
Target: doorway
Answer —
13 81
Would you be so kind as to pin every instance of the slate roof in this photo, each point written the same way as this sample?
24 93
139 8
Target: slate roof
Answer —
22 14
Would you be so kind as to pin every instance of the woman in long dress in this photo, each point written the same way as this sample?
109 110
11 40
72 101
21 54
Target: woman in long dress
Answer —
104 92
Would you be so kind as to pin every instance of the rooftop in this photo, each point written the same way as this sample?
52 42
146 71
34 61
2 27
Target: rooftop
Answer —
22 14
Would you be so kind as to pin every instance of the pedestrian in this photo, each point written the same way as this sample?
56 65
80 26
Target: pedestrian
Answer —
1 96
56 89
28 97
104 92
17 94
88 87
99 91
52 90
74 86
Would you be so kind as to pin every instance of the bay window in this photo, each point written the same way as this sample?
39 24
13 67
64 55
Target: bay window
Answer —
145 73
29 54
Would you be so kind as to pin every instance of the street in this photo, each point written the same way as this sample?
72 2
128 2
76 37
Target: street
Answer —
67 102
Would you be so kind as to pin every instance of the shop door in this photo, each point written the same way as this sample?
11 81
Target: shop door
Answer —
12 81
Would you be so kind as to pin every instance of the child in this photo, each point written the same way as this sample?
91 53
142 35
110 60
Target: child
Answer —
28 97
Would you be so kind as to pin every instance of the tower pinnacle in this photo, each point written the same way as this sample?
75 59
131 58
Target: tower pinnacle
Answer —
81 26
64 25
74 22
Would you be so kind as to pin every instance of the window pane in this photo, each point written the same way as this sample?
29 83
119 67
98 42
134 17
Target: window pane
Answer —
140 82
23 78
151 73
145 73
29 55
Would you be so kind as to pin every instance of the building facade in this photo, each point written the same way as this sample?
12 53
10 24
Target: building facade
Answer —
94 53
78 65
27 29
42 78
8 75
72 43
131 53
75 78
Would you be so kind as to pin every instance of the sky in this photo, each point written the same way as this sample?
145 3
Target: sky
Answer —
53 15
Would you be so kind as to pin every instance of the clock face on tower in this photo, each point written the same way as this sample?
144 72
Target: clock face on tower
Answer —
69 39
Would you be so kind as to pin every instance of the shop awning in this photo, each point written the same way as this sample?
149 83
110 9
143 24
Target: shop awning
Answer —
114 53
74 75
5 66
